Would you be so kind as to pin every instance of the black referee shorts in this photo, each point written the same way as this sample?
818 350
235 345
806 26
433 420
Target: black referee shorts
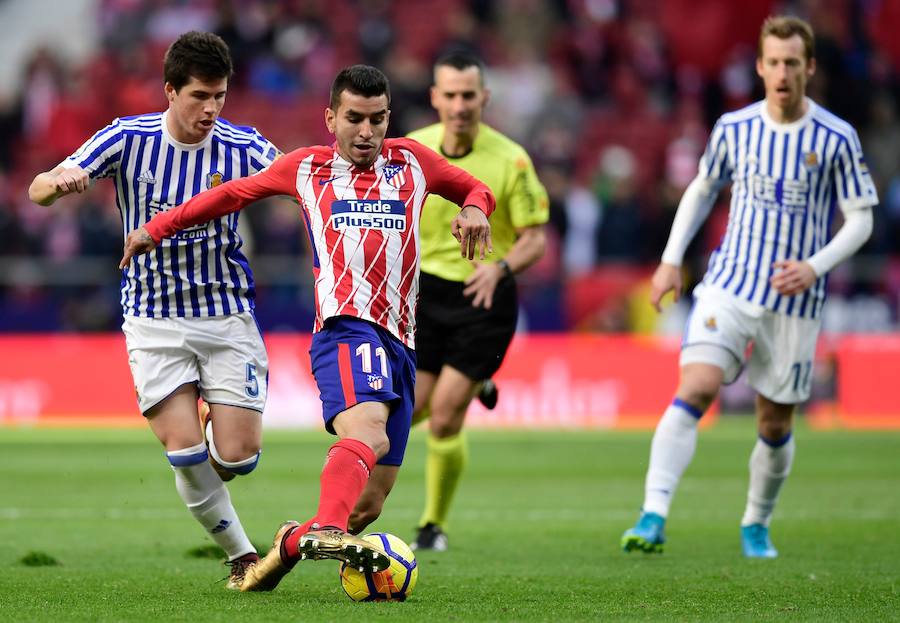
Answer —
449 330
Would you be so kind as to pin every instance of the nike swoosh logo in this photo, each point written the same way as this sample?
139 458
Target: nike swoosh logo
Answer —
323 182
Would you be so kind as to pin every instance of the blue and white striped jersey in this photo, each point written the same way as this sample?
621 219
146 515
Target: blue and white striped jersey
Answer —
786 181
200 272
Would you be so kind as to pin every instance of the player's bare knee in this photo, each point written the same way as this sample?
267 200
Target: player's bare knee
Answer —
442 430
446 422
238 456
699 384
236 452
241 467
774 431
235 446
774 421
699 395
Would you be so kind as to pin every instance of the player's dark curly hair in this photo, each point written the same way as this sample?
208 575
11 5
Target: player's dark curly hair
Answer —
461 60
362 80
201 55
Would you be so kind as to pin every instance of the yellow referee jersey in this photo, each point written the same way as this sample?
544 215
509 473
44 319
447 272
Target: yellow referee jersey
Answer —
506 168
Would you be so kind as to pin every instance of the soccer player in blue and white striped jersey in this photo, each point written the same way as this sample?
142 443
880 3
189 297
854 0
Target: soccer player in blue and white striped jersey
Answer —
188 307
790 163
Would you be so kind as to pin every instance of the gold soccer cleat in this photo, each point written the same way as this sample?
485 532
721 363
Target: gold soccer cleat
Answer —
339 545
267 573
239 567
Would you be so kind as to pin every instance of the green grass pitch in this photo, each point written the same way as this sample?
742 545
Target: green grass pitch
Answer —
534 533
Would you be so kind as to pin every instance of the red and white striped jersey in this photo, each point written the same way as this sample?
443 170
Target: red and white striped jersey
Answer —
363 224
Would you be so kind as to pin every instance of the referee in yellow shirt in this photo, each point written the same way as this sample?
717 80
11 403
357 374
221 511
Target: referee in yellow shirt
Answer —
467 310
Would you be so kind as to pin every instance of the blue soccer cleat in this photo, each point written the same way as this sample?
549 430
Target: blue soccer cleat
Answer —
756 543
647 534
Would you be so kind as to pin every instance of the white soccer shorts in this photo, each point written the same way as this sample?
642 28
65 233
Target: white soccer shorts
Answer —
721 327
224 355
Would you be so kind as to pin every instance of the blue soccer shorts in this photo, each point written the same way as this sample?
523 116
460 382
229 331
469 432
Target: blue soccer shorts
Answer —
355 361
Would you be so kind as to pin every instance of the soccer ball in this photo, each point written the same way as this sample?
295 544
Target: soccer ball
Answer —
394 583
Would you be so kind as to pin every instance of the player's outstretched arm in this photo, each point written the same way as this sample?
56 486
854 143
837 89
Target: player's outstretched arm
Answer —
227 198
471 229
667 278
49 186
138 242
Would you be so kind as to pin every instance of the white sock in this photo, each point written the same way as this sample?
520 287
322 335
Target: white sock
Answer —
671 452
770 464
208 500
240 468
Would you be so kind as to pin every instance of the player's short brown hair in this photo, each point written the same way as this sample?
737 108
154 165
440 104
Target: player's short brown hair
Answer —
195 54
785 27
362 80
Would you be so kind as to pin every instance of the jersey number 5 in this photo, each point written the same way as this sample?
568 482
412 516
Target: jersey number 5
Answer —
252 386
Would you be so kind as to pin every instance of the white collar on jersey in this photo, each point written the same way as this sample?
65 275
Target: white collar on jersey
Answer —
185 146
793 125
349 166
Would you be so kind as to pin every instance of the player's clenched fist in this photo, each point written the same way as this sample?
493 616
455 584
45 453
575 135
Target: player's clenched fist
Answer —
667 277
139 241
471 228
74 180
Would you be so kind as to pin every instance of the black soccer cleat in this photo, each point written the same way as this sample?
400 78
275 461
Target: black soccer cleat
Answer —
430 537
488 394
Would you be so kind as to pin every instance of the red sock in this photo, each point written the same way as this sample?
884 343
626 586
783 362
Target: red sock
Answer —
292 542
347 468
343 478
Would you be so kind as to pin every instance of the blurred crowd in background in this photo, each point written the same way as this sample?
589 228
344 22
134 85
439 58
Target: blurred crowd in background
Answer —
612 98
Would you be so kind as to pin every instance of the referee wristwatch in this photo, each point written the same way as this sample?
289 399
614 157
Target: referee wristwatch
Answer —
504 266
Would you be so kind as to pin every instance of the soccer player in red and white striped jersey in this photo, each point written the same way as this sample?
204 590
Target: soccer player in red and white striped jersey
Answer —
361 200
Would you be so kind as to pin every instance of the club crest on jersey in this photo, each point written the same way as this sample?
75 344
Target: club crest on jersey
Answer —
393 175
710 324
383 214
214 179
375 381
811 160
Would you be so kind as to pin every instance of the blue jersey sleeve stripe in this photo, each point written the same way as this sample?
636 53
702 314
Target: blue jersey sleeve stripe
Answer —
711 160
256 164
102 149
854 173
98 138
843 169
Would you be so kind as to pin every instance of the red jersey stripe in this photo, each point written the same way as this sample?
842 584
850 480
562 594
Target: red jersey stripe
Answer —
345 367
